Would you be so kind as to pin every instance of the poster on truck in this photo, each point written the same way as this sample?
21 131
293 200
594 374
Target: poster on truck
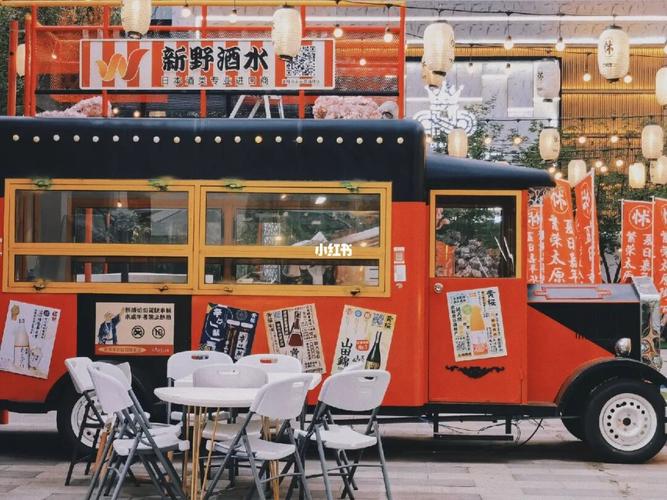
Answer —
28 338
477 326
134 329
229 330
364 339
294 331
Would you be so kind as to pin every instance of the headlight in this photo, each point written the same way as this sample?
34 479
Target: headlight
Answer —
623 347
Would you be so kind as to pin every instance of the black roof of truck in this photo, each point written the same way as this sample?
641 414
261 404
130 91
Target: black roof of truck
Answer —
372 150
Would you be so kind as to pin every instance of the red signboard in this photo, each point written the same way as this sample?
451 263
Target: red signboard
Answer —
535 245
636 238
586 227
560 242
660 250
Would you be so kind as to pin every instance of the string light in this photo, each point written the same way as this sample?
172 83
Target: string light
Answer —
362 61
388 35
614 139
471 68
587 77
560 43
559 175
186 11
581 139
136 113
552 169
604 169
487 141
627 78
508 43
338 31
517 140
508 68
233 17
619 162
598 163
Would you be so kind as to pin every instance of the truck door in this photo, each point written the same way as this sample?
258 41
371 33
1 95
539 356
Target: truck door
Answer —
477 297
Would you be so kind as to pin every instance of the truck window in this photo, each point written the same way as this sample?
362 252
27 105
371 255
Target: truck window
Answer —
475 236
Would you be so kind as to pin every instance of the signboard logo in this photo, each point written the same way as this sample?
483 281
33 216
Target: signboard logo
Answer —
640 217
127 69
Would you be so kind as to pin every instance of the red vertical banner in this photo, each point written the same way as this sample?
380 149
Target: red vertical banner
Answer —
636 238
586 228
660 250
535 245
560 242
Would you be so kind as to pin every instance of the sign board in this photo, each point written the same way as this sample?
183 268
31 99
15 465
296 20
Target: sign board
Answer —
229 330
169 64
134 329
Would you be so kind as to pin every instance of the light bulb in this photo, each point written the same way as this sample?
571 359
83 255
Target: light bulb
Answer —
54 56
587 77
471 68
508 43
115 111
604 169
598 163
487 140
581 139
559 175
233 17
614 139
619 163
508 68
517 140
560 44
186 11
388 35
136 113
338 31
552 169
362 61
627 78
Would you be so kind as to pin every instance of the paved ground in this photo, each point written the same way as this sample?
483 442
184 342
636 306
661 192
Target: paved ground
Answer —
553 465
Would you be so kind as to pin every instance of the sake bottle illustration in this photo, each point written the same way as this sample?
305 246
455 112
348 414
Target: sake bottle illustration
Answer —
374 358
21 346
295 340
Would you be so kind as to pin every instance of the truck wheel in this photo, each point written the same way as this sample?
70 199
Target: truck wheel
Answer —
69 419
575 426
624 421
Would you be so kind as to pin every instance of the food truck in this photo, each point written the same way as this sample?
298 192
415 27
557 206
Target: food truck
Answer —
335 241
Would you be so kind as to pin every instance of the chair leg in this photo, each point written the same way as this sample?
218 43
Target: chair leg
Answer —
323 464
153 473
383 462
302 473
351 470
98 469
91 457
75 451
123 472
253 466
344 475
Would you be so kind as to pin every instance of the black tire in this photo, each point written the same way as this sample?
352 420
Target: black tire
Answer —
72 402
575 426
624 421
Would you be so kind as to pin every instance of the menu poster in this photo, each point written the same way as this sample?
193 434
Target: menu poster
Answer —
477 326
364 337
134 329
28 338
294 331
229 330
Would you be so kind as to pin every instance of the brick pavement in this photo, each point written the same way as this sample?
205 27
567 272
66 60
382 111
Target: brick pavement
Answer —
551 466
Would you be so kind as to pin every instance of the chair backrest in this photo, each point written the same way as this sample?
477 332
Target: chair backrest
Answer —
272 363
78 371
111 393
184 363
282 400
353 367
229 376
126 369
355 390
113 371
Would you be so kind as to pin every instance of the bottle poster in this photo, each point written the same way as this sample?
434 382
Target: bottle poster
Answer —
229 330
476 320
294 331
364 338
134 329
28 338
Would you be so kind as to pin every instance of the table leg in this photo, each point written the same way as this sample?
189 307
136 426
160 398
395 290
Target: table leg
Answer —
273 465
184 473
210 453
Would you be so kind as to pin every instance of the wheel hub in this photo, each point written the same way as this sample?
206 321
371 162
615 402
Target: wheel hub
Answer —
628 422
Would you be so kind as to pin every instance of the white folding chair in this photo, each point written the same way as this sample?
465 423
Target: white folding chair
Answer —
92 418
281 400
355 391
272 363
116 399
183 364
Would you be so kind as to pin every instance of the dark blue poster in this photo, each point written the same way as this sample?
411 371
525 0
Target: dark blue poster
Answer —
229 330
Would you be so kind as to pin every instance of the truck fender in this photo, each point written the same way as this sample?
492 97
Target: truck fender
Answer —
575 390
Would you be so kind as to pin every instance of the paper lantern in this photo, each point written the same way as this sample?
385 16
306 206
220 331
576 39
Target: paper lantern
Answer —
430 78
659 171
613 53
20 60
286 32
637 175
549 144
547 79
457 143
652 142
661 86
576 170
439 47
135 16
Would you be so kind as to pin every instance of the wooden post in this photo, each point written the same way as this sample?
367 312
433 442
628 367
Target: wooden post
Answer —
401 65
27 78
11 70
106 21
202 93
33 63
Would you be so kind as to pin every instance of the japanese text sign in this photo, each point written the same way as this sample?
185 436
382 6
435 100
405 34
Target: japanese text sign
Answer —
660 250
586 227
560 242
204 64
229 330
535 244
636 238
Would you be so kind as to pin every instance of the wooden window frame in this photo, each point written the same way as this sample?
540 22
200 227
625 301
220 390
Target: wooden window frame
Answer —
516 194
379 253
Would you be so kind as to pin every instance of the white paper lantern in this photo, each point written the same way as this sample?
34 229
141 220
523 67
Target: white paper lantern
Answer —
661 86
286 32
637 175
20 60
457 143
613 53
547 79
549 144
135 16
430 78
439 47
576 170
659 171
652 142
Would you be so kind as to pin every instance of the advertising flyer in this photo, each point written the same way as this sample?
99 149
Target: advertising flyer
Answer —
229 330
28 337
294 331
134 329
364 337
477 324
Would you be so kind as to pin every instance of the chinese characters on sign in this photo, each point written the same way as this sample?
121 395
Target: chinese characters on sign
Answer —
204 64
560 242
134 329
364 337
586 225
229 330
636 238
660 250
294 331
535 244
333 250
28 338
476 320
